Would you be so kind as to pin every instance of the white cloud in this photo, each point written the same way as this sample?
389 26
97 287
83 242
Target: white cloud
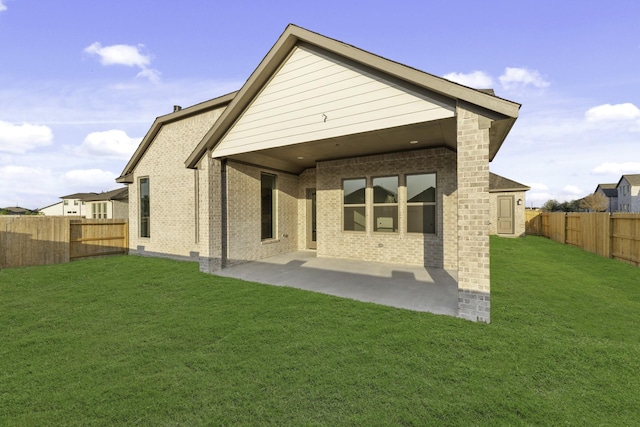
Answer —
2 6
475 79
119 54
616 168
537 186
19 139
572 189
89 180
518 78
122 54
24 185
608 112
21 173
151 74
111 144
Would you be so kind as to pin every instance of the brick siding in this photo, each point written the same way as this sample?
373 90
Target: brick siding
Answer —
473 216
399 247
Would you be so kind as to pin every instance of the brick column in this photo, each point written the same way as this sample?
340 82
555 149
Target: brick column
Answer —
211 214
473 216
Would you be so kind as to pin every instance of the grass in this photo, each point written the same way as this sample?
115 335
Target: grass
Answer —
142 341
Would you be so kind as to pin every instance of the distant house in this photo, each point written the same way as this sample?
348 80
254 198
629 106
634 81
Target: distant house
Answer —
16 211
507 204
629 193
110 204
610 191
55 209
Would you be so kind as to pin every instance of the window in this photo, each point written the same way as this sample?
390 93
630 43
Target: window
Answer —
75 203
385 204
421 203
354 204
268 206
99 210
66 202
144 208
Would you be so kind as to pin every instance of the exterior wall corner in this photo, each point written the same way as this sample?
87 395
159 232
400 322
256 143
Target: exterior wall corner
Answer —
474 285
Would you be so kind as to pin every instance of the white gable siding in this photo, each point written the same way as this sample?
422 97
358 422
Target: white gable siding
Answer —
314 96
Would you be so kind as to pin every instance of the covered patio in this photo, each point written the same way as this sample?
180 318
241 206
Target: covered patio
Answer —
426 289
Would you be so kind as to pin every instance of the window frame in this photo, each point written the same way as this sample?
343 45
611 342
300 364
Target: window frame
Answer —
362 206
141 218
395 226
422 204
274 207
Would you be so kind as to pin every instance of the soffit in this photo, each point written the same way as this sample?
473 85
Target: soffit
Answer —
296 158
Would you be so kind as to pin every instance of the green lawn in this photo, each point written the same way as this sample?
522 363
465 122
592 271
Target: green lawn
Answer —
140 341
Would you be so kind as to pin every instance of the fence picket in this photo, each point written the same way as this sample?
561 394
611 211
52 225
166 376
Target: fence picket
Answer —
38 240
609 235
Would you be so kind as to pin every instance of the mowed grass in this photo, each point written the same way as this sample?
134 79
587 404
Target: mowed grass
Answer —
141 341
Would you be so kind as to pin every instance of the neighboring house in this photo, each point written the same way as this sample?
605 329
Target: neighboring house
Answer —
325 147
74 204
610 191
507 199
112 204
629 193
56 209
16 210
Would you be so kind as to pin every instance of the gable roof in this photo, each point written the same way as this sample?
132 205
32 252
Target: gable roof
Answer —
17 210
499 183
78 196
117 194
503 111
633 179
609 190
179 114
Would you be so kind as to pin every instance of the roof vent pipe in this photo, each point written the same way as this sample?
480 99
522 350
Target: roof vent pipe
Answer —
176 108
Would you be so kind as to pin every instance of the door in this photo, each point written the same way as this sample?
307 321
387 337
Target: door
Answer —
505 215
311 218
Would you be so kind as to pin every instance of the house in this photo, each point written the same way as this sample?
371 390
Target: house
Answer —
330 148
507 206
112 204
610 191
16 210
55 209
629 193
74 204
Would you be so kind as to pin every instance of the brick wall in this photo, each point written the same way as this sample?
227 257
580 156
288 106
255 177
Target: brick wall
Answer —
244 242
473 216
307 180
120 209
173 190
400 247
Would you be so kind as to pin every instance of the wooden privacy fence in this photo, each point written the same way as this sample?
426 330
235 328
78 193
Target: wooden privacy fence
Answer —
610 235
38 240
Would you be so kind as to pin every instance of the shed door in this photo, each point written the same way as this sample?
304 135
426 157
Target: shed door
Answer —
505 214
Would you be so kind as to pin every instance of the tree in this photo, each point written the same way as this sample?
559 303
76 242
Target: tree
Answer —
596 202
552 206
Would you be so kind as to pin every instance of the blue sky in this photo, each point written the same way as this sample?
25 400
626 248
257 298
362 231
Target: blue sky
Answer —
82 81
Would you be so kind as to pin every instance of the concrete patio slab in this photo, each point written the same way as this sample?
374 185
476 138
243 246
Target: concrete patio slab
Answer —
431 290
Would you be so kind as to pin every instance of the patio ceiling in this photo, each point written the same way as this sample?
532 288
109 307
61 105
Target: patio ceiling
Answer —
298 157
